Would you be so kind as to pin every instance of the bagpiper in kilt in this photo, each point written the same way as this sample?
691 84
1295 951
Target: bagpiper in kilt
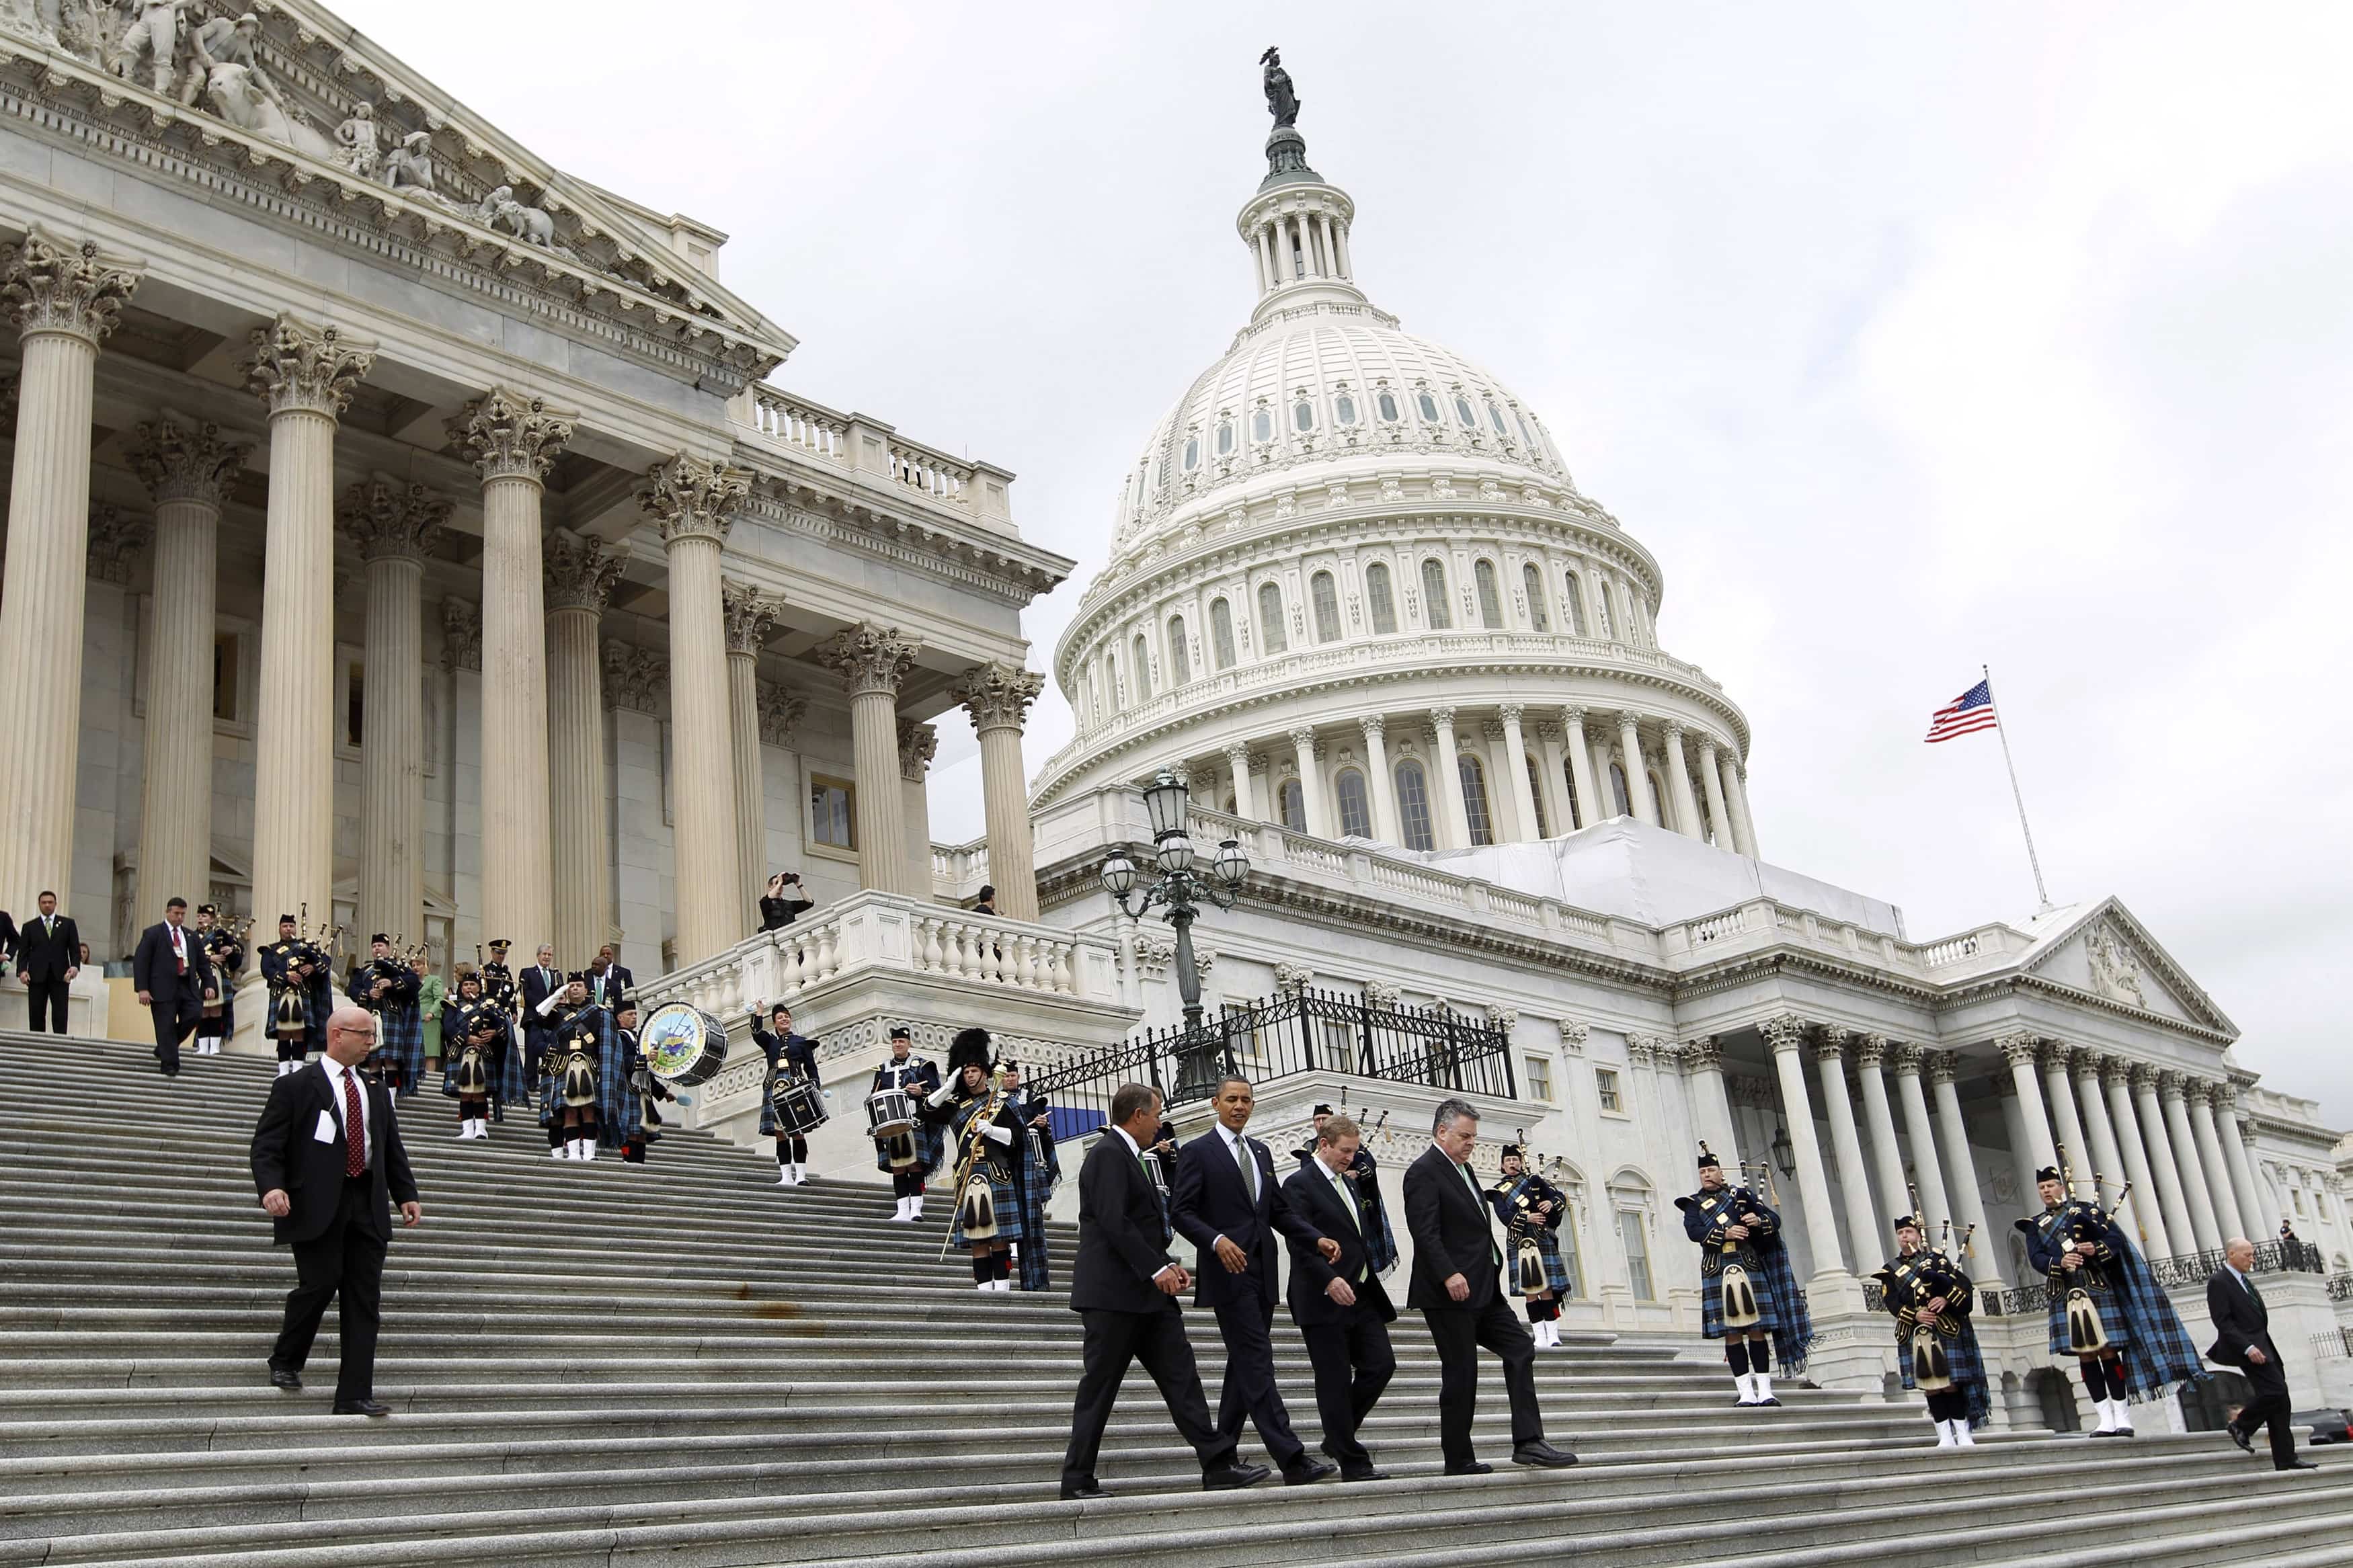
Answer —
591 1100
226 956
1532 1209
511 1076
2107 1310
644 1087
475 1034
387 987
1001 1178
790 1056
914 1155
1364 1179
301 996
1937 1351
1739 1237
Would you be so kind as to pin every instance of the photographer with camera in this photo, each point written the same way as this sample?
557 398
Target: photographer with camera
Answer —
783 902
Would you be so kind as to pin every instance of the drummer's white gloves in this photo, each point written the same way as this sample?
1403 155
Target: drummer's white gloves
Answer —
940 1095
549 1000
996 1134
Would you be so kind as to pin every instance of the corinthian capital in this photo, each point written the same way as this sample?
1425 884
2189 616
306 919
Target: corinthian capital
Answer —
1376 727
1831 1046
1944 1066
1442 717
997 696
780 709
1511 712
1785 1033
53 285
509 436
388 521
2017 1048
1870 1050
635 677
462 633
749 616
294 366
1907 1059
184 459
1702 1056
579 573
918 744
116 536
694 499
869 658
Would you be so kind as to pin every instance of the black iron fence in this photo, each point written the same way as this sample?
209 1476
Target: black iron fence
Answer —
1290 1033
2180 1271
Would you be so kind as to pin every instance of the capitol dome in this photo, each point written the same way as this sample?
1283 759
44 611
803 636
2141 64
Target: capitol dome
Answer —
1353 591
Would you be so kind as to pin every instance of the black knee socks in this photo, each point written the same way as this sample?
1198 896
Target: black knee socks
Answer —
1948 1405
906 1184
1000 1265
2105 1379
2117 1387
983 1271
784 1152
1760 1355
800 1151
1736 1351
554 1136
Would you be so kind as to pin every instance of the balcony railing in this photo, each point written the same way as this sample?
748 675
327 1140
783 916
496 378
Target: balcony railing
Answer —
826 435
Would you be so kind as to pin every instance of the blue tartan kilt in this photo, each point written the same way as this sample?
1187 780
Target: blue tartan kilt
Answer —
400 1041
2114 1319
931 1140
620 1114
1008 1207
1548 1248
1968 1369
509 1085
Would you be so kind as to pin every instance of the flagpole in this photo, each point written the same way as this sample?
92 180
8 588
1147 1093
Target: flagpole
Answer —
2002 731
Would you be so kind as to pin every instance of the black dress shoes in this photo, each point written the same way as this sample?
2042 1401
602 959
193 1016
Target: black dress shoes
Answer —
1474 1468
1543 1456
2245 1440
286 1378
1073 1491
1232 1476
2297 1464
364 1407
1366 1474
1305 1472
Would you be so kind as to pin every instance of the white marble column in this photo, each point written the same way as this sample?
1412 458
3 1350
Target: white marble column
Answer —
1787 1036
2021 1052
998 698
187 465
2200 1094
2015 1132
394 527
694 502
1702 1063
918 744
305 375
873 660
1879 1121
1378 780
1516 763
1638 777
2173 1200
1237 760
1736 789
2184 1142
2076 1155
1711 783
1854 1184
65 299
513 441
1687 820
2107 1156
2259 1223
1960 1167
1311 781
1592 803
750 617
1552 779
1928 1170
577 578
1447 786
2146 1210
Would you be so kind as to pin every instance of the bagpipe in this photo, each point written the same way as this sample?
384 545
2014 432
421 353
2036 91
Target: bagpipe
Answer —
976 1195
1526 1194
471 1071
2080 1225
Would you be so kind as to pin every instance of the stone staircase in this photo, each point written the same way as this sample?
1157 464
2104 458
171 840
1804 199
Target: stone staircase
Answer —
684 1364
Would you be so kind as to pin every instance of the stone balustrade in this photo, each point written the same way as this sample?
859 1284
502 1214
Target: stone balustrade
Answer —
856 444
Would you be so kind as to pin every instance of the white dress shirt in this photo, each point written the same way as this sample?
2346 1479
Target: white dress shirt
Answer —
1136 1152
336 1073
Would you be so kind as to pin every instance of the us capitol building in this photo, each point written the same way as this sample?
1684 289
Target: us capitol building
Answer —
405 532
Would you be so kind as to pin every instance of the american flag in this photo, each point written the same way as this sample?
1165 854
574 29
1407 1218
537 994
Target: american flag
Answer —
1971 710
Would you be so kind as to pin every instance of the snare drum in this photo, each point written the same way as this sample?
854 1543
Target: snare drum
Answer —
801 1104
889 1114
683 1045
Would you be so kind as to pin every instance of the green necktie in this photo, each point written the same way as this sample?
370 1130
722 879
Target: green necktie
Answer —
1494 1253
1250 1167
1348 1202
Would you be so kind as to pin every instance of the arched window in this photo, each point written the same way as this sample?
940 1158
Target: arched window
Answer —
1525 439
1495 417
1618 789
1462 411
1433 594
1474 799
1491 601
1344 409
1356 810
1377 595
1429 406
1413 806
1111 679
1261 426
1294 805
1577 811
1533 581
1192 453
1302 416
1659 801
1602 614
1180 659
1325 597
1225 437
1221 632
1576 595
1386 403
1271 640
1143 669
1537 794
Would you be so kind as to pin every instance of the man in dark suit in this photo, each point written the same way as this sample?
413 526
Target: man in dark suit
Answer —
1341 1307
1458 1285
1124 1285
2242 1339
620 981
541 981
174 977
48 956
328 1163
1228 1202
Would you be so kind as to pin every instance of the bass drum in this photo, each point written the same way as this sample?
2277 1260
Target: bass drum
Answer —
683 1045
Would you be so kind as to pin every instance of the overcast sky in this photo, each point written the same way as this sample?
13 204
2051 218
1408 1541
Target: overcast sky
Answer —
1908 338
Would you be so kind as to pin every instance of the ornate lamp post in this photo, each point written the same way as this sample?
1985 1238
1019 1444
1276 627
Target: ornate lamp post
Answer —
1184 884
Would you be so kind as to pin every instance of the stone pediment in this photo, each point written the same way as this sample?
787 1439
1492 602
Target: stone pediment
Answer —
354 142
2103 950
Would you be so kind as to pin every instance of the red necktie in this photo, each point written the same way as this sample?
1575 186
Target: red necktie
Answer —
355 1129
179 952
